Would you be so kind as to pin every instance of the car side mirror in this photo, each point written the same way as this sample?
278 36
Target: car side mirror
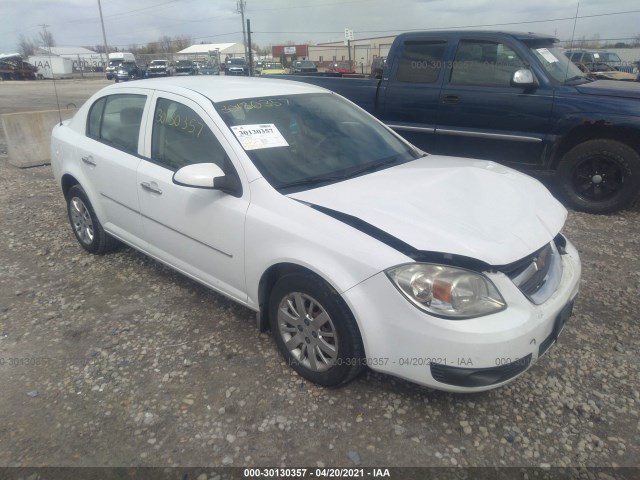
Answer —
208 176
523 78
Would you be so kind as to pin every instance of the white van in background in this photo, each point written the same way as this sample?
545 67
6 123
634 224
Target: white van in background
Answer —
115 59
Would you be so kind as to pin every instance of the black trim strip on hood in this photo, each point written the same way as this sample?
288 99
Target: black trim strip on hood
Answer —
461 261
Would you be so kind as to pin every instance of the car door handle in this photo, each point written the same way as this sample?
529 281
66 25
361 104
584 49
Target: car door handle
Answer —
450 99
89 160
150 188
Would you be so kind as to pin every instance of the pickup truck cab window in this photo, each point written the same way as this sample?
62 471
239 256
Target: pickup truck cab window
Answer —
116 120
421 62
481 62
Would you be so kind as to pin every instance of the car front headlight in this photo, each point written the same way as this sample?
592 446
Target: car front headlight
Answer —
447 292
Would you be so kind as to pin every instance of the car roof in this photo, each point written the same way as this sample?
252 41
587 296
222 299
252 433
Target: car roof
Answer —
522 36
222 89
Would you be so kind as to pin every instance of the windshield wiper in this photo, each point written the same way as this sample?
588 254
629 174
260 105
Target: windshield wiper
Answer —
370 168
576 77
311 181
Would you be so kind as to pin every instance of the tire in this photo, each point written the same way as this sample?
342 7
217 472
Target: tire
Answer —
85 225
599 176
337 354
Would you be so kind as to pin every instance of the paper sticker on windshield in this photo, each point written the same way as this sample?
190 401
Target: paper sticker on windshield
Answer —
254 137
547 55
596 55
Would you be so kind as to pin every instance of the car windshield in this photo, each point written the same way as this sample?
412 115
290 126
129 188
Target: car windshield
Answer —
305 64
301 141
557 65
273 66
159 62
235 61
609 57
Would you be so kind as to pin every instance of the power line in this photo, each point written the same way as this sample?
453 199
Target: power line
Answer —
459 26
314 5
140 9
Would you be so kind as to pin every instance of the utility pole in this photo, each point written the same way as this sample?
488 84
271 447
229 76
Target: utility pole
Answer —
45 35
241 6
250 52
348 36
104 37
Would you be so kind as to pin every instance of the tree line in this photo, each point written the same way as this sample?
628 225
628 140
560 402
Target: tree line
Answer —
165 44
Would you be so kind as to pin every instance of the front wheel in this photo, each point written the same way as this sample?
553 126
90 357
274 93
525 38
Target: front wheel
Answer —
315 331
600 176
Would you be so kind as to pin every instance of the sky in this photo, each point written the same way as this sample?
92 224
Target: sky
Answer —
76 23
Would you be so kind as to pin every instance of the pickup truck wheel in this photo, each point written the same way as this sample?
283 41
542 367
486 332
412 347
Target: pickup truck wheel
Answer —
600 176
86 226
315 331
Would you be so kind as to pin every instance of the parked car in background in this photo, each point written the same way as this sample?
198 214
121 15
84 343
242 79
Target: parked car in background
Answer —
377 67
303 66
128 71
236 66
600 56
273 69
115 59
159 68
110 71
185 67
209 69
356 248
603 71
341 67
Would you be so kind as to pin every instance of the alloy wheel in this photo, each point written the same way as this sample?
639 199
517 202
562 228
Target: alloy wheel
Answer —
81 219
308 332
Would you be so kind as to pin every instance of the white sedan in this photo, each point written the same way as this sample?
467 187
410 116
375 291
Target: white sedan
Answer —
355 248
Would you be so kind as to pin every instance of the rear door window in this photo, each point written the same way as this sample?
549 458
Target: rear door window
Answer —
421 61
116 120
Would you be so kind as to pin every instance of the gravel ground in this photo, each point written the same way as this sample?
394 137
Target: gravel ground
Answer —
117 361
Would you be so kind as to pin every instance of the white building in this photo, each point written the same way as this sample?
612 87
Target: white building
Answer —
205 51
83 59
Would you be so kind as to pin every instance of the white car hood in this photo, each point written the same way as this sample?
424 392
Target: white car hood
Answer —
458 206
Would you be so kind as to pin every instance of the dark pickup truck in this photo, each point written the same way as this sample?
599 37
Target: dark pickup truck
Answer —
513 98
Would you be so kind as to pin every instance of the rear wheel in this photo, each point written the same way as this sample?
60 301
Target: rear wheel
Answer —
600 176
86 226
315 331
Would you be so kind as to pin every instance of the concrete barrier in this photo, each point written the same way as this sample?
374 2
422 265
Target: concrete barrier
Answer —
28 135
